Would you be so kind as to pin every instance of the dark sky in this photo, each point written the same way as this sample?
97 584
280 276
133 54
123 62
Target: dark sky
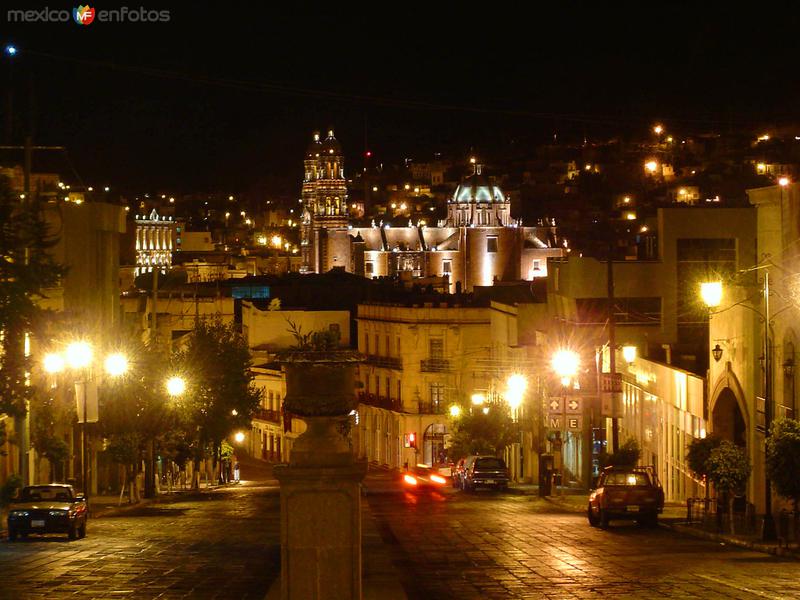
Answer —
226 95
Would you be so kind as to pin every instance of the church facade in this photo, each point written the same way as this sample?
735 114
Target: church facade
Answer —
477 244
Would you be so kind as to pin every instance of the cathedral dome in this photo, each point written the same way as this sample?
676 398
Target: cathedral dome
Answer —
477 188
331 145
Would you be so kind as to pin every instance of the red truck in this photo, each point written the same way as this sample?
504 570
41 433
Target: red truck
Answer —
626 493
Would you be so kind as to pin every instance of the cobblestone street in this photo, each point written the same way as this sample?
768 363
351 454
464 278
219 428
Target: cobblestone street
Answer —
220 544
484 545
224 544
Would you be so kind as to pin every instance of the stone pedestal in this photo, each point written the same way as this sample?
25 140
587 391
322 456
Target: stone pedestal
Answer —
321 532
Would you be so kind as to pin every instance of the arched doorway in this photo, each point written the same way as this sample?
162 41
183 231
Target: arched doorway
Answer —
433 444
728 419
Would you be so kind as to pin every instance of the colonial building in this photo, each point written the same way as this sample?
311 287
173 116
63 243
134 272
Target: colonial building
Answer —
153 242
479 242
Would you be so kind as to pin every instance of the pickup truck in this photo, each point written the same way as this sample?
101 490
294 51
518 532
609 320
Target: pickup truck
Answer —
626 493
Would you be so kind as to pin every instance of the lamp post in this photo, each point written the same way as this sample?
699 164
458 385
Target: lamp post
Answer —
565 364
79 356
514 394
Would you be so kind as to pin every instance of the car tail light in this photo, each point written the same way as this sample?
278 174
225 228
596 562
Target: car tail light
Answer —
410 479
438 479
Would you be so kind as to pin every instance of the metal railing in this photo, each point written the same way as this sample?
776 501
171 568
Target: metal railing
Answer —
380 401
431 408
267 414
712 514
387 362
434 365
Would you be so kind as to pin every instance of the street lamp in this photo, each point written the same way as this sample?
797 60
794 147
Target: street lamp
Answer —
455 411
565 364
711 293
515 390
176 385
79 356
629 353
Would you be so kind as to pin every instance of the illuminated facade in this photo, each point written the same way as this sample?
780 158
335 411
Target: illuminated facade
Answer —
324 199
153 242
479 242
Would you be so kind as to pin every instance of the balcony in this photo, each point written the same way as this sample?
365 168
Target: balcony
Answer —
434 365
386 362
380 401
431 408
266 414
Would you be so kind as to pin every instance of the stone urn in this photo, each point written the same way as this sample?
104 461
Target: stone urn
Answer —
320 390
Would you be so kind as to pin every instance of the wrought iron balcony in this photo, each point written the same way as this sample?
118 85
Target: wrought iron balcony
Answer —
434 365
431 408
266 414
387 362
380 401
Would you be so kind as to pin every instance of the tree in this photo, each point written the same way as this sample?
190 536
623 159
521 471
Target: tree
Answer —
481 433
698 454
220 395
783 459
627 455
26 269
728 469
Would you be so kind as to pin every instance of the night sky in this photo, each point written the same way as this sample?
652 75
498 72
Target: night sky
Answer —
225 96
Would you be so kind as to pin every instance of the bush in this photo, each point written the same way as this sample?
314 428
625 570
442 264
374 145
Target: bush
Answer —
9 489
729 468
783 458
627 455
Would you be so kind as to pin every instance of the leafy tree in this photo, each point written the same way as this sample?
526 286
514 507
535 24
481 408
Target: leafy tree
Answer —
220 397
627 455
480 433
26 269
728 469
783 459
48 415
698 454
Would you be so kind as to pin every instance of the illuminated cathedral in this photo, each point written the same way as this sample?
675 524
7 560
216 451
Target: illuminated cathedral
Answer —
478 244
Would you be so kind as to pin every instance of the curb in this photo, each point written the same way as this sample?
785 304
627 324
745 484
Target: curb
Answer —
773 549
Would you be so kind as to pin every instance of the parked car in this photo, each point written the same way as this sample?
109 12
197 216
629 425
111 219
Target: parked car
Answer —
484 471
52 508
423 477
626 493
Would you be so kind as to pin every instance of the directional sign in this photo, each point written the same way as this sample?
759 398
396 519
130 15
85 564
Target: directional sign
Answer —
555 405
574 423
573 405
554 421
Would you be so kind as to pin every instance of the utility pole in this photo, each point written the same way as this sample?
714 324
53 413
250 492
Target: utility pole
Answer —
612 347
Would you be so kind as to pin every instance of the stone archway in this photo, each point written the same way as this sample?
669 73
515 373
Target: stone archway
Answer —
728 419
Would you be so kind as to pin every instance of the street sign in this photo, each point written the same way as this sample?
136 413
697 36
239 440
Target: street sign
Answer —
554 404
554 421
574 423
574 405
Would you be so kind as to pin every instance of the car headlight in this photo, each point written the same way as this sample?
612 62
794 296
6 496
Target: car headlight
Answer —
58 513
18 513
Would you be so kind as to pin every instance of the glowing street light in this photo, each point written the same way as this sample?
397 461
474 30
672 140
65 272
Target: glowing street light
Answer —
478 398
651 166
53 363
565 363
658 129
79 355
176 385
515 390
629 353
711 293
783 181
238 437
116 364
455 411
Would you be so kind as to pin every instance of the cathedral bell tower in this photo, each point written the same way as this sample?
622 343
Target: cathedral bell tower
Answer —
324 196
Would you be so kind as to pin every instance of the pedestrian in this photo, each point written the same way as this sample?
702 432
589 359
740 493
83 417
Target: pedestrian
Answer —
236 472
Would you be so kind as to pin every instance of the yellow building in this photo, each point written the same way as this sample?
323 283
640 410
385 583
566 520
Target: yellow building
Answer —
421 359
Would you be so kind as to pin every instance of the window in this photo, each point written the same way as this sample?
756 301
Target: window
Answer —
377 344
437 396
398 346
369 267
447 267
388 346
491 244
399 388
435 348
366 343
